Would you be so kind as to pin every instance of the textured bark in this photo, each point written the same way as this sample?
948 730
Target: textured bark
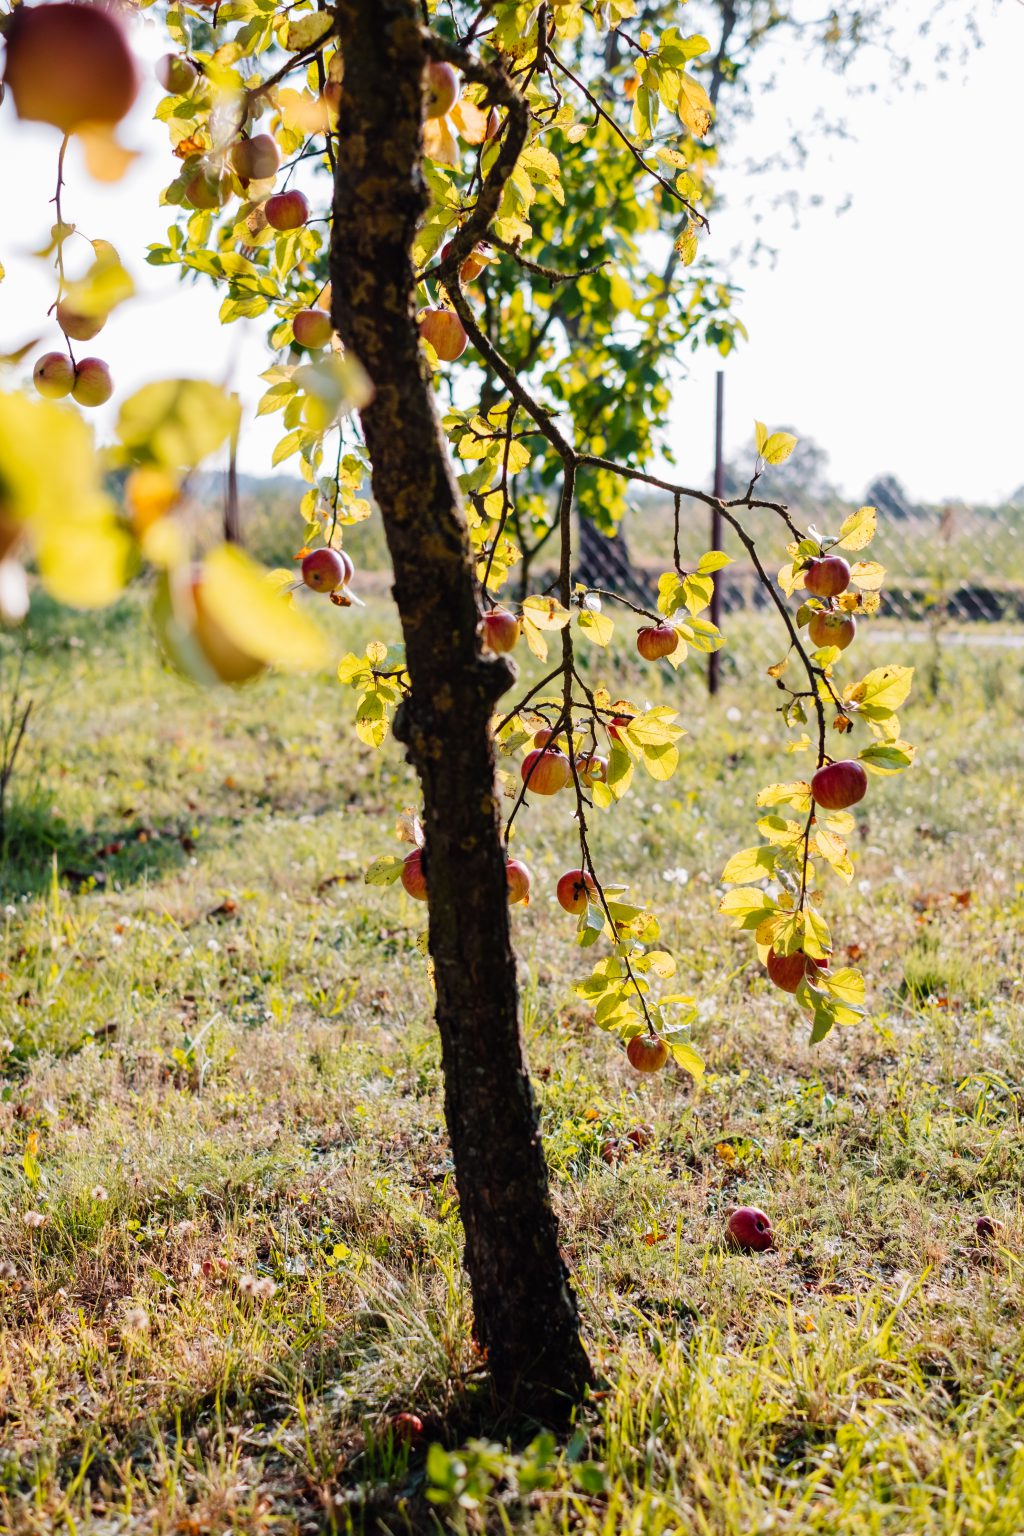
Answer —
526 1316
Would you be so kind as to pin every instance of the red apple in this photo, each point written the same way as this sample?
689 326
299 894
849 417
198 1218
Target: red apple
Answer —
69 65
255 159
827 628
827 577
176 75
312 328
519 880
546 771
616 721
987 1228
592 768
286 210
93 384
325 570
493 124
575 889
657 640
547 738
54 375
406 1427
78 327
641 1135
443 329
749 1229
440 89
647 1053
472 266
788 971
839 785
500 630
413 878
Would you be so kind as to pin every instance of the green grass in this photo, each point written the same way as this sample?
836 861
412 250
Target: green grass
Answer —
220 1088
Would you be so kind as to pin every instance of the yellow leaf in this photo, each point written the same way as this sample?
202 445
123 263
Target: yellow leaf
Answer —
470 120
306 30
694 105
760 437
597 627
859 528
535 639
546 612
797 794
833 850
104 286
256 617
867 575
883 690
177 422
106 158
686 1057
778 447
751 864
846 985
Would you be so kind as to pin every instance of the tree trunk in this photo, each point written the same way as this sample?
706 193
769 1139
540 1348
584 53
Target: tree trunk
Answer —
526 1316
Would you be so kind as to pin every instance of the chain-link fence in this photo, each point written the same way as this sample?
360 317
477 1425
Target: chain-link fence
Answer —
951 565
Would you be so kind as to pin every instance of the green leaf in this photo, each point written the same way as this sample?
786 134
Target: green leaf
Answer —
384 871
713 561
888 756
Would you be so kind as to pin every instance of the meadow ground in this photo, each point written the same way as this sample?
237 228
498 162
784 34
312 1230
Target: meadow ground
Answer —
230 1238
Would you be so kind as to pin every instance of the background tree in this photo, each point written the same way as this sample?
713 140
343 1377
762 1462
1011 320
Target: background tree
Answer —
444 142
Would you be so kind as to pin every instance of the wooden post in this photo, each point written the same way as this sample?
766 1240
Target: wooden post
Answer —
716 520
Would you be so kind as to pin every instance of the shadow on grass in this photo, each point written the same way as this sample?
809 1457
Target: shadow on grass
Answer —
36 846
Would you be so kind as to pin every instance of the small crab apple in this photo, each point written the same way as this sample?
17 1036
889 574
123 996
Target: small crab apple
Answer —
175 74
444 330
749 1229
788 971
493 124
641 1135
78 327
827 628
440 89
837 786
615 722
255 159
312 328
647 1053
546 770
575 889
325 570
519 880
547 738
286 210
413 876
69 64
93 384
656 640
592 769
987 1227
500 630
54 375
827 577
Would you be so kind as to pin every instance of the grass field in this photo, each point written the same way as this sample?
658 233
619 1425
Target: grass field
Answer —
230 1237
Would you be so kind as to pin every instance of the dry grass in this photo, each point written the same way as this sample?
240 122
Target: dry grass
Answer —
221 1096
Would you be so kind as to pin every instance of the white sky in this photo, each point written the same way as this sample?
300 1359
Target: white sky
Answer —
892 334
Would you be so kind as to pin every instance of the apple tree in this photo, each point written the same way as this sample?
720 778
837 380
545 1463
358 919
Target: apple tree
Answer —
446 216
